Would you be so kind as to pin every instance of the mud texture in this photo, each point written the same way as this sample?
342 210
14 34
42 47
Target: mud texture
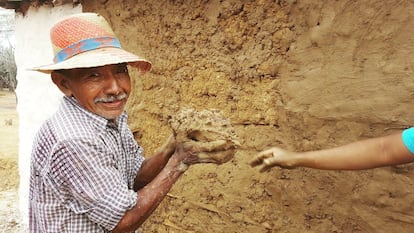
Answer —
207 132
297 74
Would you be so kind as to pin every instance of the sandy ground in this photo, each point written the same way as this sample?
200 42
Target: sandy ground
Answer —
9 214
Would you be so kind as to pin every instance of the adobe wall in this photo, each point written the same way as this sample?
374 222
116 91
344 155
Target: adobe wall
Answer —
297 74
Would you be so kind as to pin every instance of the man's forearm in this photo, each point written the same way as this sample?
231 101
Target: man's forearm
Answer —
149 169
153 165
149 197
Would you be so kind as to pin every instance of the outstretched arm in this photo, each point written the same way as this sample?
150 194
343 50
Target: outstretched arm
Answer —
365 154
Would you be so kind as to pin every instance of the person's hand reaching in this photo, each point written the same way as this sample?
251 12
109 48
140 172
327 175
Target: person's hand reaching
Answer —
274 157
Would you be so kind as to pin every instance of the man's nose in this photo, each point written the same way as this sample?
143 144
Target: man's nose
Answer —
112 85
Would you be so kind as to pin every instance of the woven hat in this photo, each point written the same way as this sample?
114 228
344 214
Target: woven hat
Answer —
87 40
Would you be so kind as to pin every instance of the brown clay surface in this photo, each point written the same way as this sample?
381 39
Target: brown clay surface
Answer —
298 74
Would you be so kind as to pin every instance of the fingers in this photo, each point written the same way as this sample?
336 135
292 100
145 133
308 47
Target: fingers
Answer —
217 145
168 147
265 168
260 157
186 153
274 157
268 163
217 157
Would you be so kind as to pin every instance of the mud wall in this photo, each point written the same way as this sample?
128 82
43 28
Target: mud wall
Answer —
298 74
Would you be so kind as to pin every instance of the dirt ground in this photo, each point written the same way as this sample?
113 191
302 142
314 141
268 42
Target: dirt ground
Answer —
9 216
298 74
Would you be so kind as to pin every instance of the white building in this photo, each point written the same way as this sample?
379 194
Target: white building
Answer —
37 97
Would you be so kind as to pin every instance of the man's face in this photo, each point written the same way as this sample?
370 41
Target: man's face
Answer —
102 90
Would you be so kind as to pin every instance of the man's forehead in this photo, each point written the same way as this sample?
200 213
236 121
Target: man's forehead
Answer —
97 68
101 67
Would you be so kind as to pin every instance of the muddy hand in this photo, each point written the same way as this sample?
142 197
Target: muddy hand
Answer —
168 147
216 151
274 157
216 145
185 154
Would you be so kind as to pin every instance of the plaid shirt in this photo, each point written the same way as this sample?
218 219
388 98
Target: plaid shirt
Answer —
82 172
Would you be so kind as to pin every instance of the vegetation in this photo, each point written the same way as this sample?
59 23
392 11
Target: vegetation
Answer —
8 69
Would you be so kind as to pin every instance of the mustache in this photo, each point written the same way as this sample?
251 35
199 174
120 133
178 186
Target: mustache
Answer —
111 98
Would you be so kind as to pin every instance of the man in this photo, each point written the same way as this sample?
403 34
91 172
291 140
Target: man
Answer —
87 172
389 150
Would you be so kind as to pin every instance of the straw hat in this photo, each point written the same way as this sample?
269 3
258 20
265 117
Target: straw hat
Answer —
86 40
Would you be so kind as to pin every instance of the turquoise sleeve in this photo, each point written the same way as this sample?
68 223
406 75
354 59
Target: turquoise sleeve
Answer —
408 139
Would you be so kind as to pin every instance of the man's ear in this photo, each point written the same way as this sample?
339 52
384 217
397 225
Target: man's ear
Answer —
60 80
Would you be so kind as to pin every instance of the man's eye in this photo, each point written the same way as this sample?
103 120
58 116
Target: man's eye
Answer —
94 75
122 69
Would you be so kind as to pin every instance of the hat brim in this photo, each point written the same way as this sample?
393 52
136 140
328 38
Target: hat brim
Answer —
96 58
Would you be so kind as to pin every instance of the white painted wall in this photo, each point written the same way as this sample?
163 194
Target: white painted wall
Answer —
38 98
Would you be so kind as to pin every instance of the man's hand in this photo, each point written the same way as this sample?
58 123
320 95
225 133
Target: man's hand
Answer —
169 146
184 155
275 157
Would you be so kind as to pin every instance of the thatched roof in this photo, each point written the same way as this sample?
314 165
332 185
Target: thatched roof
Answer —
21 6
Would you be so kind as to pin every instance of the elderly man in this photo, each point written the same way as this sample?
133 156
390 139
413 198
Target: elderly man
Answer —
87 172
